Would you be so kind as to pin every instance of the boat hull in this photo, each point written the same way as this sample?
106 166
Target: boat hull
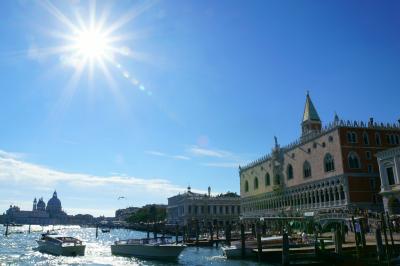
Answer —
236 252
165 252
59 250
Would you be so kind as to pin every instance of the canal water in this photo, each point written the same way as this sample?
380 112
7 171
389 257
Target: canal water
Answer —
19 249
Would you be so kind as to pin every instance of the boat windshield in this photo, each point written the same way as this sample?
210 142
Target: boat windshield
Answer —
145 241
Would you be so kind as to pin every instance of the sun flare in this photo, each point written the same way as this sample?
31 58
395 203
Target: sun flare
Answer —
96 45
91 44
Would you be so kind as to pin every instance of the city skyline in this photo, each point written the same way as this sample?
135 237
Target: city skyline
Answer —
198 88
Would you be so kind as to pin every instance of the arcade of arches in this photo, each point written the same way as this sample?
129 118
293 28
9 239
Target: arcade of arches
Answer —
327 193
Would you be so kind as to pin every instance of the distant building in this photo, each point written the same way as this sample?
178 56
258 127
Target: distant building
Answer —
190 207
327 168
389 167
45 215
123 214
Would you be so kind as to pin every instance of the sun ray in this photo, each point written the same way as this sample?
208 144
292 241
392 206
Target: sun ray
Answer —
58 14
130 15
91 42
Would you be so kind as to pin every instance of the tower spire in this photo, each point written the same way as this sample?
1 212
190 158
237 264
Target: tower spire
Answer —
311 122
310 113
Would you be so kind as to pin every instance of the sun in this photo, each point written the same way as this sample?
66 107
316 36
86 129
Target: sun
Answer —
91 44
96 45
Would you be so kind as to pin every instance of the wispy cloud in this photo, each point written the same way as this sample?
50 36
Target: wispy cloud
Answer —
198 151
162 154
180 157
156 153
13 169
14 155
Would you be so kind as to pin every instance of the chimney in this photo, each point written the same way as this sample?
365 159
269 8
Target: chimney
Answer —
209 191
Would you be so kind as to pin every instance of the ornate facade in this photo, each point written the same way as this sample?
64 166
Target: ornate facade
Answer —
331 167
190 207
389 168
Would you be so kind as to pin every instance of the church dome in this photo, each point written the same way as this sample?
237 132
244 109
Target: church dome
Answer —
54 204
41 206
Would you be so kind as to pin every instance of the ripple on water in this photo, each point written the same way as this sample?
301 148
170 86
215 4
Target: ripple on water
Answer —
19 249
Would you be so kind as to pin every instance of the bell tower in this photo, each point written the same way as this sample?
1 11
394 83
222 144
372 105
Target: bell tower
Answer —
311 122
34 205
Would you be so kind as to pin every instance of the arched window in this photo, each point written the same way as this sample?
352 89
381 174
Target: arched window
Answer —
306 169
256 183
289 171
378 139
354 161
267 180
397 139
246 186
329 163
365 138
351 137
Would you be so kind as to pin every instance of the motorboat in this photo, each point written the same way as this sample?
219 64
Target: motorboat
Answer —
157 248
105 230
235 252
61 245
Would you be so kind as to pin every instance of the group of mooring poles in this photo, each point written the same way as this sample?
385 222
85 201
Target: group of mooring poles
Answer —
385 252
7 232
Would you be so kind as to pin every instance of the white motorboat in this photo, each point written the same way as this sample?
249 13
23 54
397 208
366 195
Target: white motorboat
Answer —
61 245
147 248
235 252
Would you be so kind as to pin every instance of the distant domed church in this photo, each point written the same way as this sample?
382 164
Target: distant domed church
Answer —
40 214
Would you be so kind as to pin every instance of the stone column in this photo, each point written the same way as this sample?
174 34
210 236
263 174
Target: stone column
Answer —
316 199
336 195
397 169
330 196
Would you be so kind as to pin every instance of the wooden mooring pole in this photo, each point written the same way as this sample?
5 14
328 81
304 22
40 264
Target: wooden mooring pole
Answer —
154 230
264 228
338 241
6 232
211 232
385 235
285 249
197 232
259 246
243 240
379 247
322 244
363 241
391 234
342 230
228 234
148 230
176 233
29 229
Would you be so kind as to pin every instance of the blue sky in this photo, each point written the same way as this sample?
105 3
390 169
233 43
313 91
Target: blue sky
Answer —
198 87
